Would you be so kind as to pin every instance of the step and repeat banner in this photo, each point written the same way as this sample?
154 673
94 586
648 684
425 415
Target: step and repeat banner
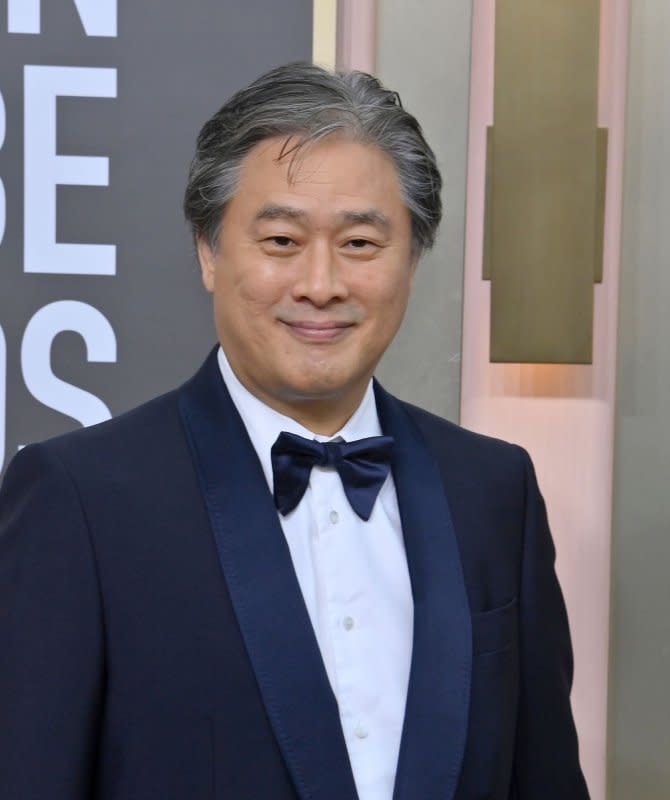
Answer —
101 305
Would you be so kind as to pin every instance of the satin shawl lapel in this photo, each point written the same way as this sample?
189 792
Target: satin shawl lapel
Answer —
436 713
265 592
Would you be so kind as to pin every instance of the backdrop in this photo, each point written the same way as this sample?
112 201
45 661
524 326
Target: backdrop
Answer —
100 102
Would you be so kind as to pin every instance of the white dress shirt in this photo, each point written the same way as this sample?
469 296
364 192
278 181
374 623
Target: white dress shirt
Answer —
354 580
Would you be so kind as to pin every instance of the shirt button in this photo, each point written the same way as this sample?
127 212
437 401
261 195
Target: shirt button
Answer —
348 623
334 517
361 732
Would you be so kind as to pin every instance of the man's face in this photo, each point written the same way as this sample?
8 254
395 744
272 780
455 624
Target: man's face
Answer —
312 274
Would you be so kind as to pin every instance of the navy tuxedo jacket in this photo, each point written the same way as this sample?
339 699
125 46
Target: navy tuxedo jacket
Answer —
154 643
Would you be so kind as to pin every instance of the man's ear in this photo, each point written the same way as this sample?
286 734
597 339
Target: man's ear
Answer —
207 263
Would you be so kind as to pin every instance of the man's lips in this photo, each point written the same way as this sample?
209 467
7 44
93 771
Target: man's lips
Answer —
325 331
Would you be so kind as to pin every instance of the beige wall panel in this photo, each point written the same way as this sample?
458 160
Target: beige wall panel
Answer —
324 33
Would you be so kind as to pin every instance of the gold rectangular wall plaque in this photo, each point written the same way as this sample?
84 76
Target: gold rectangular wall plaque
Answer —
545 181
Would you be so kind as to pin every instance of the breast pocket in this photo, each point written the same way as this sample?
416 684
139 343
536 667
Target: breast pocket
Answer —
493 702
495 630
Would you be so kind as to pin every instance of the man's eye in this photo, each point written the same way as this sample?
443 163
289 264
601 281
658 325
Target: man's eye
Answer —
281 241
358 244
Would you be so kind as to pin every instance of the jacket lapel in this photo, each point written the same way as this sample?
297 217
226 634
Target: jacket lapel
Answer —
436 712
265 592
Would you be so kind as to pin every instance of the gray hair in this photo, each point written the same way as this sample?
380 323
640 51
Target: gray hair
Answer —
311 103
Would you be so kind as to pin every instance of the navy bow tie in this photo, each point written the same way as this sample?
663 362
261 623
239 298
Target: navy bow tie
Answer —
362 466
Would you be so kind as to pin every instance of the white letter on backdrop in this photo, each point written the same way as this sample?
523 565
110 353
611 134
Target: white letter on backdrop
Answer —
44 170
97 16
45 325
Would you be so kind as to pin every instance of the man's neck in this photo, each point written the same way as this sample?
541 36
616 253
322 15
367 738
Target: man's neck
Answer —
322 416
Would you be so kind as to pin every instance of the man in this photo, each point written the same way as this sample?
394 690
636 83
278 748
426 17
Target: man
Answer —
279 581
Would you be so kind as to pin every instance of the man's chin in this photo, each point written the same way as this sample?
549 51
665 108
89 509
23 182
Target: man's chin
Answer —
312 392
315 389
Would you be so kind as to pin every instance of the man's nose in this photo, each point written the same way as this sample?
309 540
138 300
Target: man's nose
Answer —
320 279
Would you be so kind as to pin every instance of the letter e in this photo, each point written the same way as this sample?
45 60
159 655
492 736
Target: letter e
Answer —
44 170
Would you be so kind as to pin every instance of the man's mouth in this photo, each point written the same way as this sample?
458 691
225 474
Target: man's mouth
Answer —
326 331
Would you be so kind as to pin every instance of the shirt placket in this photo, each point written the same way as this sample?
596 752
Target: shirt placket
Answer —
343 597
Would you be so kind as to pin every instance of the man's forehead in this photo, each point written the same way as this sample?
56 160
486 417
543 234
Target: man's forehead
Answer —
349 181
297 157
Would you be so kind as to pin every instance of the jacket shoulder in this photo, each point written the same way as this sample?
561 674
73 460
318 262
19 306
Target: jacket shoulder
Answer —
136 440
448 440
140 423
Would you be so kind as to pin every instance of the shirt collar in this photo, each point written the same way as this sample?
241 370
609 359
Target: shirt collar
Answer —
264 424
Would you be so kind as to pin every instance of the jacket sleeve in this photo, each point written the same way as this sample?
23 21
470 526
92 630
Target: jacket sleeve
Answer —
51 635
546 758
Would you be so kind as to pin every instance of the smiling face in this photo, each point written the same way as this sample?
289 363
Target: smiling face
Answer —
311 276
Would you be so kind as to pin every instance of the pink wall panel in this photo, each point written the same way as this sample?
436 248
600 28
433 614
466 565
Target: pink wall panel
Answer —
563 415
356 31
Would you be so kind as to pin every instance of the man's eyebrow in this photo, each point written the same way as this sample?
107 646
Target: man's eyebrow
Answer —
280 212
368 217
